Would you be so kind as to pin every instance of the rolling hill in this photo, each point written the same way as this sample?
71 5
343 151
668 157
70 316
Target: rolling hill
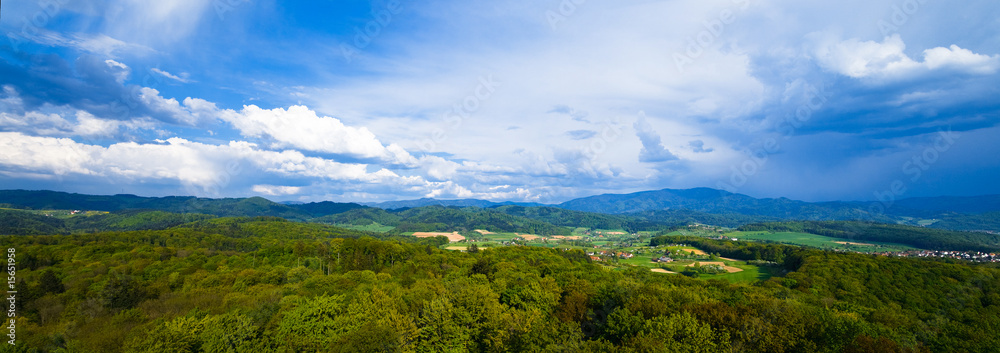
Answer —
227 207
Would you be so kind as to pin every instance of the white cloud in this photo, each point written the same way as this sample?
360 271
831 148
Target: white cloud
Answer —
98 44
120 71
888 61
180 79
299 127
45 155
962 60
209 168
61 121
192 112
190 163
273 190
652 147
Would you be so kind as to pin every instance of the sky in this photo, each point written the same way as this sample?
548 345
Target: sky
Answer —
539 101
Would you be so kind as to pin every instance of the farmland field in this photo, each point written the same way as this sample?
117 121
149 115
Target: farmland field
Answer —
374 227
818 241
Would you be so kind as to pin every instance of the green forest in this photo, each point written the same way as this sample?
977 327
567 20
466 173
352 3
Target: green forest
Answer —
255 284
924 238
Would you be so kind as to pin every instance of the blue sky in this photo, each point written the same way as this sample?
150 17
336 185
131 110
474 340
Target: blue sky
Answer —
519 100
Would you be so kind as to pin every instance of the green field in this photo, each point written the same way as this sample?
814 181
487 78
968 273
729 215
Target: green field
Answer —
819 241
58 213
750 273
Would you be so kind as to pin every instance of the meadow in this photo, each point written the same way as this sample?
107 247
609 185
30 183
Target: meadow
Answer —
819 241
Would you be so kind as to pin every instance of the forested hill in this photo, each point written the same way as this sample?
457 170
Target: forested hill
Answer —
639 211
447 219
392 205
19 222
919 237
717 207
264 284
227 207
721 202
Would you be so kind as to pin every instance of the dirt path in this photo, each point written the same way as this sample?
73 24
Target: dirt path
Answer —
660 270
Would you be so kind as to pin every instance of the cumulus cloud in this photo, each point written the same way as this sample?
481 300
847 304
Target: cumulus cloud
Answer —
652 148
273 190
301 128
888 61
176 159
60 121
120 71
190 112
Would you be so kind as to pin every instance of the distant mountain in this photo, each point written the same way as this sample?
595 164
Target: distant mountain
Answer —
318 209
660 207
228 207
392 205
720 202
22 222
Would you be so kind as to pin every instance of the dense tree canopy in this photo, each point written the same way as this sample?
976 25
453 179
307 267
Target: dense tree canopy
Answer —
266 284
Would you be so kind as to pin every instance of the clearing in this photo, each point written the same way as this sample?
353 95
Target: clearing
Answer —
574 237
660 270
528 237
452 237
729 269
484 232
818 241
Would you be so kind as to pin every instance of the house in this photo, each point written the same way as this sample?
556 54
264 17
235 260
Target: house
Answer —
663 259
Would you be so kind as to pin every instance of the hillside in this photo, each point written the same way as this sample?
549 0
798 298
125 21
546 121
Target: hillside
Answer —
262 284
719 202
924 238
20 222
226 207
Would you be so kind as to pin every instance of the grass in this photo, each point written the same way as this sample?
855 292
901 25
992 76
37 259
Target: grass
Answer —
818 241
63 214
750 273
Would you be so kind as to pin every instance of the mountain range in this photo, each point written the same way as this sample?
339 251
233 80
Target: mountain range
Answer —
701 205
